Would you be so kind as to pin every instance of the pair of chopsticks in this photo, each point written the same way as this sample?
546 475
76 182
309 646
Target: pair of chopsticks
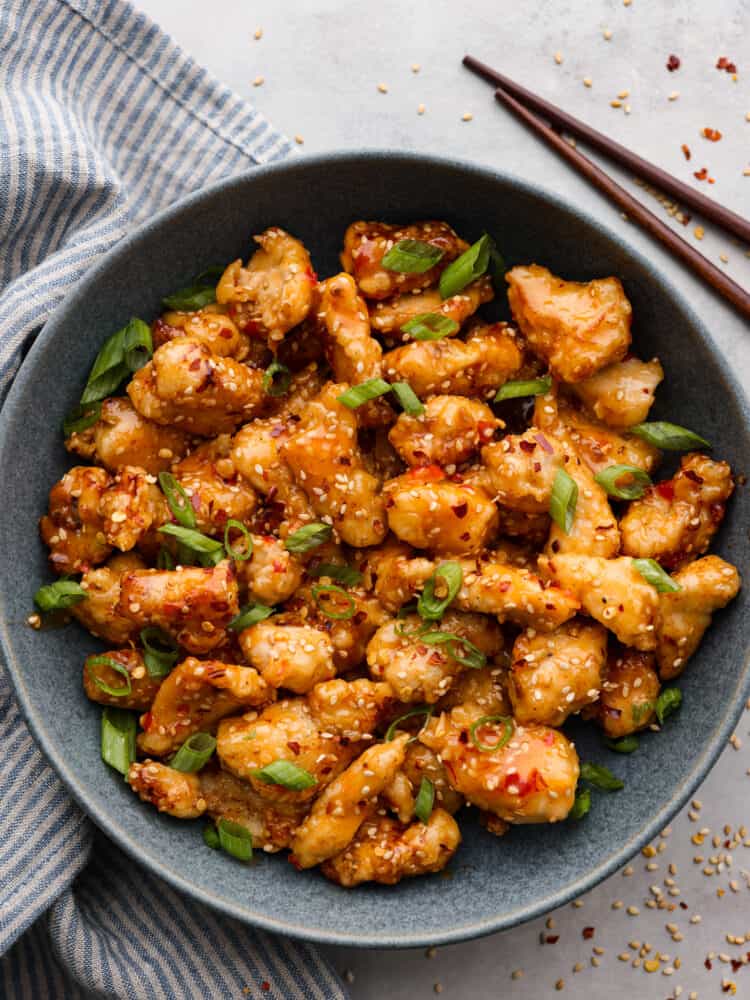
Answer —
518 100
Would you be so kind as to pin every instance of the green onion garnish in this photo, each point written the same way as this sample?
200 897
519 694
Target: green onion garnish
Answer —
668 701
178 500
107 661
310 536
137 346
636 481
201 292
239 555
235 839
276 379
581 804
411 257
330 588
639 710
405 632
194 753
160 651
81 418
287 774
364 392
59 595
194 540
408 399
521 388
487 720
118 738
250 615
431 607
335 571
563 500
625 745
652 573
669 437
164 559
211 837
430 326
467 268
425 710
462 651
123 353
601 777
424 801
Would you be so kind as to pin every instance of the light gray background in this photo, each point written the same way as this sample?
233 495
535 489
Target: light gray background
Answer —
322 61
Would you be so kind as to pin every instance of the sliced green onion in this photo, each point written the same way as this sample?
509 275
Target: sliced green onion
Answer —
668 437
335 571
431 607
639 710
107 661
652 573
193 540
59 595
488 720
364 392
235 839
178 500
581 804
164 559
668 701
250 615
310 536
211 837
105 385
118 738
411 257
462 651
430 326
407 398
287 774
424 801
194 753
521 388
137 345
199 293
331 588
425 710
108 370
625 745
276 379
160 651
601 777
239 555
636 481
563 500
467 268
81 418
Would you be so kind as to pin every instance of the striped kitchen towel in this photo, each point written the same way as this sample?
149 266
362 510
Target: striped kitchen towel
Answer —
104 121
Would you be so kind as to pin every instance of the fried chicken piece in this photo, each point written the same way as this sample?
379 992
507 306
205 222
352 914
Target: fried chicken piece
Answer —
621 394
292 656
98 613
389 317
216 489
209 325
143 687
130 506
629 693
600 446
485 689
395 573
174 792
351 709
577 328
271 575
449 432
421 762
351 350
73 529
521 469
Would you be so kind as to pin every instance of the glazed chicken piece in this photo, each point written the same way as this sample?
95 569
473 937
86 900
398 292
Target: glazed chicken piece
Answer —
202 393
477 366
352 352
621 394
304 385
430 512
121 436
73 529
705 585
274 292
385 850
485 690
554 675
395 573
577 328
130 506
611 591
421 762
629 693
527 529
288 655
346 803
351 709
271 575
98 612
676 519
216 490
448 433
191 604
366 243
174 792
521 469
387 318
210 326
530 779
143 687
422 671
194 697
325 459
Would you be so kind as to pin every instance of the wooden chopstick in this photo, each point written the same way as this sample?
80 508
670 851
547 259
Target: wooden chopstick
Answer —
717 213
632 207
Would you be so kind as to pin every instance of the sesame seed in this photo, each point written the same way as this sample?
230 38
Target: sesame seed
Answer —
607 34
258 81
467 116
420 109
587 81
699 232
558 58
415 67
382 88
258 34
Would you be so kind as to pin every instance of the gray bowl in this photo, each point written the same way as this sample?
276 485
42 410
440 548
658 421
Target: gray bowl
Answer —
492 884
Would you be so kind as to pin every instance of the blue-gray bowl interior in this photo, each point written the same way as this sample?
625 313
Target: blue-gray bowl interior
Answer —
492 883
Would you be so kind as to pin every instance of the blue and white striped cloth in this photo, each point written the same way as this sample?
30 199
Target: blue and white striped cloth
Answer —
104 121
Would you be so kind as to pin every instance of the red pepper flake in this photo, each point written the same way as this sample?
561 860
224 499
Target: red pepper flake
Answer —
712 134
554 938
686 150
708 964
724 63
460 509
665 489
701 175
265 986
588 933
673 63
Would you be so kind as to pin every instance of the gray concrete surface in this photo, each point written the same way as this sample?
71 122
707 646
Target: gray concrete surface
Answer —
321 63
